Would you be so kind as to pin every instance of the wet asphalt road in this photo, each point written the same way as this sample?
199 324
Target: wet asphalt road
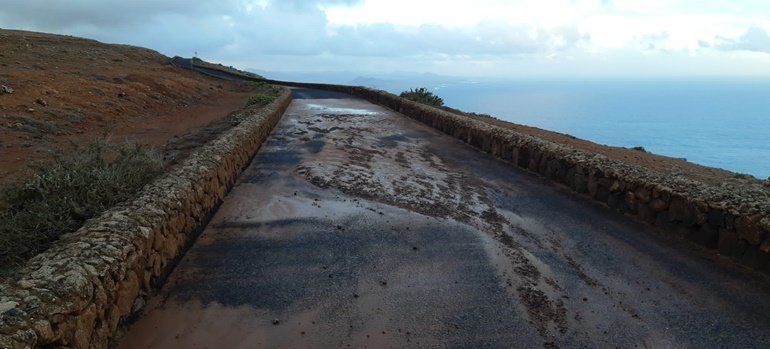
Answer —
358 227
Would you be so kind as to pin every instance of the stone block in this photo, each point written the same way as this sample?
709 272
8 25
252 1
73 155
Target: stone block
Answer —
756 259
84 327
730 245
716 217
765 245
676 210
707 235
659 205
631 201
128 290
617 202
580 183
643 194
554 170
515 155
749 229
646 214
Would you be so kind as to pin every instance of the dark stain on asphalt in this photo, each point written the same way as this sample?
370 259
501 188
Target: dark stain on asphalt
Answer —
254 270
270 162
314 146
392 141
282 223
311 265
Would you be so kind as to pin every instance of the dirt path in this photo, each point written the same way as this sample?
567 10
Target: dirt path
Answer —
357 227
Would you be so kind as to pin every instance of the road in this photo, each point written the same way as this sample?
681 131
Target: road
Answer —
355 226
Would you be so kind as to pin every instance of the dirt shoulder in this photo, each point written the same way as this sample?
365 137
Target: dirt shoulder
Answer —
634 157
70 90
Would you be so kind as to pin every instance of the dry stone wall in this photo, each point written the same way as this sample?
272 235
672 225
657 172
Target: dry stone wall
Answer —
731 218
76 294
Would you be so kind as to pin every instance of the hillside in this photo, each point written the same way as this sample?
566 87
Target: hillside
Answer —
60 90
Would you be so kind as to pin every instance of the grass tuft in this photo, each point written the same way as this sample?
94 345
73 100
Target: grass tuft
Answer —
260 99
64 193
265 86
74 117
32 125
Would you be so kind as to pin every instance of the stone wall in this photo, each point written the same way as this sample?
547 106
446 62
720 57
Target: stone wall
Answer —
734 219
78 292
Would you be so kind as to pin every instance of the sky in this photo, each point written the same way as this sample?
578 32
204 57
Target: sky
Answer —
479 38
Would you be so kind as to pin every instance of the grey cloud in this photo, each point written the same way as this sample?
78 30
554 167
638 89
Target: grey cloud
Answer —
238 30
487 38
653 42
310 4
755 39
53 15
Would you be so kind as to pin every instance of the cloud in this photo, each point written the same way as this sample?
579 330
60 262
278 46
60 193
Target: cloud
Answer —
314 4
281 28
755 39
312 34
53 15
653 42
486 38
432 35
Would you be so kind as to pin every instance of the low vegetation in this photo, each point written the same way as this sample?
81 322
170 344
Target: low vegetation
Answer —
65 192
422 95
32 125
261 85
744 176
260 99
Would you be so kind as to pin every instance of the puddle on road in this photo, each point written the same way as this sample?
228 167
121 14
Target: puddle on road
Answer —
337 110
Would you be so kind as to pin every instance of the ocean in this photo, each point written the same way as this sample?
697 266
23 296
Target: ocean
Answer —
721 123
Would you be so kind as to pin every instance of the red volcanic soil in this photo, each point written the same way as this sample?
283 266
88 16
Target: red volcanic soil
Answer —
68 90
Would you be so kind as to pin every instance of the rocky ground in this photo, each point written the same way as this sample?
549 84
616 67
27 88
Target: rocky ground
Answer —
58 90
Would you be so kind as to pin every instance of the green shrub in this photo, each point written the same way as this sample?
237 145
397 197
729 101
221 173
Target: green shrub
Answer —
422 95
261 85
62 194
74 117
32 125
260 99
